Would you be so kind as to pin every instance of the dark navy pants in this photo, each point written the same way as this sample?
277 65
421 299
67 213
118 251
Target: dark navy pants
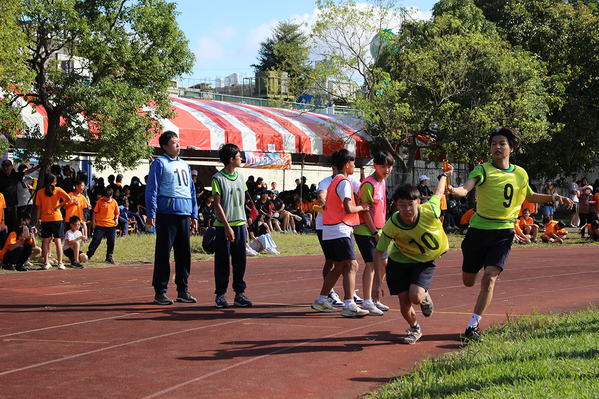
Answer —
18 256
223 250
99 233
172 231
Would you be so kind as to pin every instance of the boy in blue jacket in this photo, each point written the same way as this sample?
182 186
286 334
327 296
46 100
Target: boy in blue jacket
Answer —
170 202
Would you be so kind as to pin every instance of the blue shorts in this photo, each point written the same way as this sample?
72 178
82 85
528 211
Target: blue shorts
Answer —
548 210
341 249
482 248
367 245
401 275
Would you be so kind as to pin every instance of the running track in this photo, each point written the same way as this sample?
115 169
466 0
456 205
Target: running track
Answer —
95 333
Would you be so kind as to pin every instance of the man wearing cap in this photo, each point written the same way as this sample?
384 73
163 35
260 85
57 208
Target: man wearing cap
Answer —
425 191
199 186
9 179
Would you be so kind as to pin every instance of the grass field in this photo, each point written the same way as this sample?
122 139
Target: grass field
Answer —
537 356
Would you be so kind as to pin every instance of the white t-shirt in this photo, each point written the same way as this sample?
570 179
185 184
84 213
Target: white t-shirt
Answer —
339 230
70 236
573 187
324 186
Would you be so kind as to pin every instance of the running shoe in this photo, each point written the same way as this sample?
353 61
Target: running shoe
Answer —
61 266
357 299
334 299
242 300
354 311
426 306
77 265
372 309
109 260
21 268
27 264
221 301
10 267
382 307
325 306
473 334
414 335
47 266
185 297
162 299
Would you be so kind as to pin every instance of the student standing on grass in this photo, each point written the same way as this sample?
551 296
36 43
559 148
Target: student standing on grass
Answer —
76 206
229 190
374 192
501 190
170 203
49 200
340 215
104 221
418 238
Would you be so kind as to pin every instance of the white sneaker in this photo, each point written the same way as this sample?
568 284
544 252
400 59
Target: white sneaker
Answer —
273 251
61 266
27 264
372 309
354 311
334 299
382 307
46 266
251 252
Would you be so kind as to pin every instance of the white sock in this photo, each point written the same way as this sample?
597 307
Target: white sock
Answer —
347 303
321 298
368 301
474 320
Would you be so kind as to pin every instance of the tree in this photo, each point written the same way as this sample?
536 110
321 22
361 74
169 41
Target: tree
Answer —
564 36
97 64
12 70
442 84
285 51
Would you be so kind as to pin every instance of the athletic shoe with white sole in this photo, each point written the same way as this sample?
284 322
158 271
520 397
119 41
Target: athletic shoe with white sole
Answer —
354 311
162 299
221 301
185 297
46 266
473 334
372 309
357 299
242 300
426 306
382 307
414 335
61 266
325 306
334 299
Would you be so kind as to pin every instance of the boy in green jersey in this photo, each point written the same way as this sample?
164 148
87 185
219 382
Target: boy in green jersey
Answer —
418 238
501 190
228 190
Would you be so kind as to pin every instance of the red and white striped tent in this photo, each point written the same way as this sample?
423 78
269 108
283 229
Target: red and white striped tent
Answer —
207 124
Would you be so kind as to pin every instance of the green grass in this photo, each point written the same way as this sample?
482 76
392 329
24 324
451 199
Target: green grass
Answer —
537 356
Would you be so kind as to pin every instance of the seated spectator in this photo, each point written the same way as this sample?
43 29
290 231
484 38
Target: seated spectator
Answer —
285 218
260 238
266 209
302 188
593 231
465 220
519 236
73 239
207 211
555 231
34 232
528 226
17 249
273 188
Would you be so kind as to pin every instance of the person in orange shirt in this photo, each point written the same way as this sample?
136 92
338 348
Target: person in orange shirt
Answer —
76 206
555 231
465 219
528 226
3 230
17 250
519 235
104 221
49 200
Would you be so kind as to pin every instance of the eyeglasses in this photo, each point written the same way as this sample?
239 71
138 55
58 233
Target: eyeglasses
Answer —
410 206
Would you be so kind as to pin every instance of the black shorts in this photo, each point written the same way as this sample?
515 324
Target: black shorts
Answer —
366 245
325 248
55 229
401 275
70 254
341 249
482 248
575 207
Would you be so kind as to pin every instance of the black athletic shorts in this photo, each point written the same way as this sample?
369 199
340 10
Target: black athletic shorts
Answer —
341 248
55 229
482 248
366 245
401 275
325 248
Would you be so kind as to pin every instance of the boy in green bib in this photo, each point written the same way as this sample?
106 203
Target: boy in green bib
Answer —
501 190
418 238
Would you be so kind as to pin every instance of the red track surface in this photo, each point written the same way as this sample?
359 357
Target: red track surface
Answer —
95 333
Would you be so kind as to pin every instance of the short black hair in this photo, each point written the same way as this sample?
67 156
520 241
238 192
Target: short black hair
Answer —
383 158
406 192
78 182
546 219
108 192
166 137
228 151
341 157
512 136
560 224
74 219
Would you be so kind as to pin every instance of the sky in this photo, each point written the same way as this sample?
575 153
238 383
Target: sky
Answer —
225 37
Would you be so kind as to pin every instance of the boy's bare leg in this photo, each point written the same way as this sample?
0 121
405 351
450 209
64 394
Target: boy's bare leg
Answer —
331 279
45 249
58 243
350 269
487 285
368 280
407 311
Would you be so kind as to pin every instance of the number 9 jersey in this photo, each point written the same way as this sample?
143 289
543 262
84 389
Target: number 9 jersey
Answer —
420 242
500 194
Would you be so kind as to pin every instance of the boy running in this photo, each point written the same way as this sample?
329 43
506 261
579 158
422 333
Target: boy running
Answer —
418 238
340 215
501 190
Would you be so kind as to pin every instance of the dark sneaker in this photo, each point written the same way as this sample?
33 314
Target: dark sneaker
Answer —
8 267
21 268
414 335
473 334
242 300
77 265
162 299
426 306
221 301
110 260
186 297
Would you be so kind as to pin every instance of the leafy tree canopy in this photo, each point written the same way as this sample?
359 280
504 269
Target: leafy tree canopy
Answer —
96 64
